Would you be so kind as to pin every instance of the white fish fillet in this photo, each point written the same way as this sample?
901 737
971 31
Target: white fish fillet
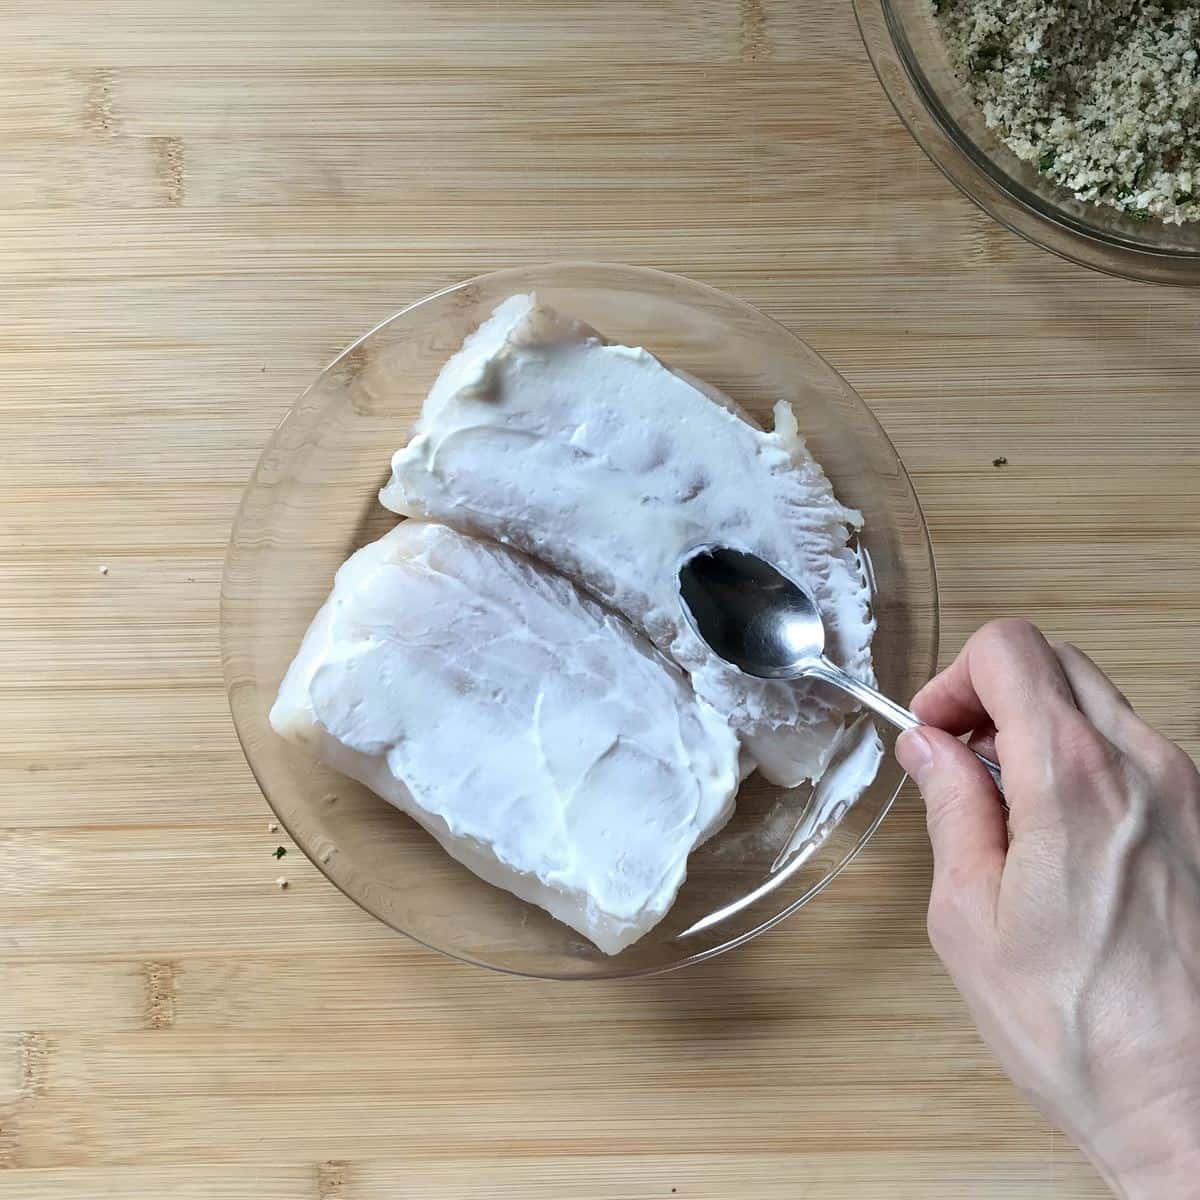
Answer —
545 744
605 464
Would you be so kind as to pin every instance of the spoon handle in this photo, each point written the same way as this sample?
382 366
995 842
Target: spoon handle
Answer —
878 703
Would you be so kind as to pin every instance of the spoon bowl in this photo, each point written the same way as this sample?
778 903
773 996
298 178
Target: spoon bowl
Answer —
766 624
750 613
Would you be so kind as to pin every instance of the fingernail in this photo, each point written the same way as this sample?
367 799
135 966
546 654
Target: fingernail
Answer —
914 752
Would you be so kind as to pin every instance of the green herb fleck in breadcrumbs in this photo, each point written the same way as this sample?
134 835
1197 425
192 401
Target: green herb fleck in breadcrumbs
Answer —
1102 95
280 851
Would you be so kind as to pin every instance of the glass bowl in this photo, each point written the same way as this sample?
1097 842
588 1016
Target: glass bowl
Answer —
912 62
312 501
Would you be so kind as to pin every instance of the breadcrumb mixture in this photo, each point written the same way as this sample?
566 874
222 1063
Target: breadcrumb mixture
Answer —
1102 95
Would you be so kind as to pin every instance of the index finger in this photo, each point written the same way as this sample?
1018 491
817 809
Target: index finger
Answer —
1007 675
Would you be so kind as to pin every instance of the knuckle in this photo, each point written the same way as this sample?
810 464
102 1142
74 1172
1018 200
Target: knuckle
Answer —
1174 768
1006 630
1153 752
1008 647
1083 751
1070 655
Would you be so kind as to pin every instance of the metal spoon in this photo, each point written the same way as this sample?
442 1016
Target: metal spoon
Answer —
752 615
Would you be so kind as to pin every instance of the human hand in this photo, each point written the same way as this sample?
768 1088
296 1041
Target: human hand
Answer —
1073 933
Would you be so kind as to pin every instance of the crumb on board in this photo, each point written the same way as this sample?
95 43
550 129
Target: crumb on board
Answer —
272 827
1000 462
104 570
329 798
281 882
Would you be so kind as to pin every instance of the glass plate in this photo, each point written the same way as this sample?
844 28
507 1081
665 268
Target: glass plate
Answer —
312 501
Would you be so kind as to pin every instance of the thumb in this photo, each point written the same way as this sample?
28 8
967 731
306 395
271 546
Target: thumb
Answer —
962 809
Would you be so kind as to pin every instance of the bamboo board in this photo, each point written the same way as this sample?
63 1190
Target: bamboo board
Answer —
198 207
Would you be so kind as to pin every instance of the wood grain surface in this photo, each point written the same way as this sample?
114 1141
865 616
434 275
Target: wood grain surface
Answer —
199 205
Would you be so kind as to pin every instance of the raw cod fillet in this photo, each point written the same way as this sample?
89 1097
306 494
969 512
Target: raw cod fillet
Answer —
603 463
545 744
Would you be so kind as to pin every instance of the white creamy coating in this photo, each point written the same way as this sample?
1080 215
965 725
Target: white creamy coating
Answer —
605 464
534 734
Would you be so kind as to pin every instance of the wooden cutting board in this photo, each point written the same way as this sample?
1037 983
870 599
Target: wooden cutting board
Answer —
199 205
